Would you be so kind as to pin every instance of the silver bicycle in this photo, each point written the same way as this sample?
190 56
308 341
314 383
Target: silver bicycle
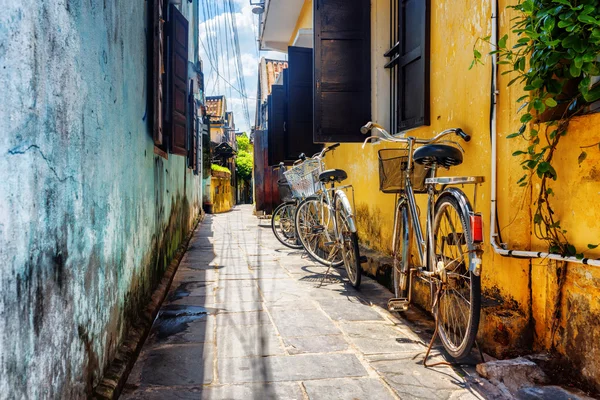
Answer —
449 253
324 220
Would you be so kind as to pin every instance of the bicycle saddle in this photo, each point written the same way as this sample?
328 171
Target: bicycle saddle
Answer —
440 154
332 175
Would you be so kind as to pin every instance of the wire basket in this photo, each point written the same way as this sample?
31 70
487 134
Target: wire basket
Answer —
304 178
285 191
392 167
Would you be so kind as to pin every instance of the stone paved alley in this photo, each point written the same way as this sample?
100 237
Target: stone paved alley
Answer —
245 319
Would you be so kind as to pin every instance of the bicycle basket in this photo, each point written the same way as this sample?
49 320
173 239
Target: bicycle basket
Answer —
285 191
304 178
392 167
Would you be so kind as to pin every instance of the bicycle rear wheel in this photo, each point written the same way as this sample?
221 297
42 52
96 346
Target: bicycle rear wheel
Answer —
401 250
283 225
459 301
314 229
350 250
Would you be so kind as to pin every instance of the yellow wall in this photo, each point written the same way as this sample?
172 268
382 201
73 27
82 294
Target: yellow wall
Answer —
304 20
525 290
221 194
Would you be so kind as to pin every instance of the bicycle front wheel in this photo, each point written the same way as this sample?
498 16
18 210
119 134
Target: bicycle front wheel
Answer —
459 301
314 229
283 225
350 250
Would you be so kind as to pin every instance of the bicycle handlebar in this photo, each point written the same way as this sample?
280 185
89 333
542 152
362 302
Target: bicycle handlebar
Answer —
392 138
278 166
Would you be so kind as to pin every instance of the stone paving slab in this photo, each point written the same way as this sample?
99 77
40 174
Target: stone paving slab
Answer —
289 368
348 389
247 318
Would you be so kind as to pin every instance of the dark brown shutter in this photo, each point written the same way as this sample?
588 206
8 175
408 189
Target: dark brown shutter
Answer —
298 82
276 124
413 64
178 102
342 101
158 70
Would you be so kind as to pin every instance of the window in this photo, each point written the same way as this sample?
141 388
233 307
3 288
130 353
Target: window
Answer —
409 63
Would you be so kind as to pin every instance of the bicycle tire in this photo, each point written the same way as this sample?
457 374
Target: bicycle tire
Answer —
401 243
313 243
445 238
283 235
350 254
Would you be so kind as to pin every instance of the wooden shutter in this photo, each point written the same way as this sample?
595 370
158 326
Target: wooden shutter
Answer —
178 102
298 82
413 64
193 127
276 125
157 70
342 101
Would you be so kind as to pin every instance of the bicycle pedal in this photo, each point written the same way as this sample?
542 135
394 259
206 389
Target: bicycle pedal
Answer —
398 304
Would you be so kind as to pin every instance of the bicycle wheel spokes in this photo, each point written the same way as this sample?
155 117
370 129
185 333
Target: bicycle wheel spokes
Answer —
283 225
457 308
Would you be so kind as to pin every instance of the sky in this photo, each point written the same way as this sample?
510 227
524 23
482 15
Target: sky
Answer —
217 54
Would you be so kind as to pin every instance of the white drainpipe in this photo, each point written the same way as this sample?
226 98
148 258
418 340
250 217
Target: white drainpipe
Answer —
499 248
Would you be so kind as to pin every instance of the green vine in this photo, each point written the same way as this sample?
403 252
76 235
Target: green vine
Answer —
556 58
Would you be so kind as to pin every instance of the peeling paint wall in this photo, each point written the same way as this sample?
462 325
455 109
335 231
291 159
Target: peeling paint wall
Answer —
89 215
519 294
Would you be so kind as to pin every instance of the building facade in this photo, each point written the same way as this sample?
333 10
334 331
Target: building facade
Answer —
524 309
101 179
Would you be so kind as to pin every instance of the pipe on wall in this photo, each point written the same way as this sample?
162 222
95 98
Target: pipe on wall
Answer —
501 248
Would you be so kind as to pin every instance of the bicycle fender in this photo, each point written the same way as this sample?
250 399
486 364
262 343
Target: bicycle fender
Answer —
467 210
346 204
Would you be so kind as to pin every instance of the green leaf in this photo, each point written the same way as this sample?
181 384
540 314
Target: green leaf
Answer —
550 102
582 157
472 64
537 83
574 71
571 42
539 106
592 246
520 99
586 19
476 54
502 41
522 63
571 250
565 2
549 192
593 94
544 167
525 118
518 153
513 135
537 219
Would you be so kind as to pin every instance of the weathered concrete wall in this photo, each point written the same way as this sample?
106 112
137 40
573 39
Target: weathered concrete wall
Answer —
89 215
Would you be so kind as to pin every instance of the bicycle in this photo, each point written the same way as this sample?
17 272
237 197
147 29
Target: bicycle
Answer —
282 221
449 254
324 220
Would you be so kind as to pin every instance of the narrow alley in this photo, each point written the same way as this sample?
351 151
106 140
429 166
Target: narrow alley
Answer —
245 318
